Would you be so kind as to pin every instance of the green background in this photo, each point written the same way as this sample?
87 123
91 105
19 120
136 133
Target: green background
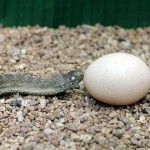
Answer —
52 13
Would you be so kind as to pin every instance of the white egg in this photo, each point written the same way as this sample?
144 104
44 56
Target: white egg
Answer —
117 79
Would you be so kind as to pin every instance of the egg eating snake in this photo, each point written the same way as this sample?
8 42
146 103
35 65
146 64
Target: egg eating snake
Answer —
27 84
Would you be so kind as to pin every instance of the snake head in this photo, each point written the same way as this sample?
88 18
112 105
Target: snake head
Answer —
74 77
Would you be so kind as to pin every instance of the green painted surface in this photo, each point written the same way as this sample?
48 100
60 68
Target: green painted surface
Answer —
52 13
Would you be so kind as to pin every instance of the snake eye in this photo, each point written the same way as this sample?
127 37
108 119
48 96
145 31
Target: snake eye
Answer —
73 78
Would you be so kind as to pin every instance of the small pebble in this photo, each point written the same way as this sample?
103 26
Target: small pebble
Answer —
119 133
48 131
16 103
124 45
20 117
86 138
42 103
113 114
25 102
2 108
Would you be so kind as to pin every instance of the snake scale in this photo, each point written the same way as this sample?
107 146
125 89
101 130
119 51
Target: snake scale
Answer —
27 84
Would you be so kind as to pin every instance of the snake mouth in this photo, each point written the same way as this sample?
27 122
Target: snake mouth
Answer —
79 75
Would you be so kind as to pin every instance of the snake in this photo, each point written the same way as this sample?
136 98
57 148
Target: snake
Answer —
28 84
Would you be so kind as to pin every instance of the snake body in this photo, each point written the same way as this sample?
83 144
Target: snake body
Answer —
27 84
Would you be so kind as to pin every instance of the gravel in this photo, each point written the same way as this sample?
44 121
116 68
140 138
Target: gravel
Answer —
73 120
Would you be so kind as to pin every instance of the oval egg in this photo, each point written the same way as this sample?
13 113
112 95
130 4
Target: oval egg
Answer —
117 79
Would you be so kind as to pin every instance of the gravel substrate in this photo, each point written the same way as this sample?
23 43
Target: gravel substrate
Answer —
72 120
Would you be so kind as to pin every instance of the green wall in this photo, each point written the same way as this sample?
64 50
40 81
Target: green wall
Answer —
52 13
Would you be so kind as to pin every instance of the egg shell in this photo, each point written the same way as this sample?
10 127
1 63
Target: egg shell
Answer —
117 79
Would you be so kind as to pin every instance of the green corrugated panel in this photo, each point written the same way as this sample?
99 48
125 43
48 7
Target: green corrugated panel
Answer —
48 13
121 18
2 8
144 13
24 12
76 13
37 12
58 12
67 12
52 13
110 11
10 12
98 10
